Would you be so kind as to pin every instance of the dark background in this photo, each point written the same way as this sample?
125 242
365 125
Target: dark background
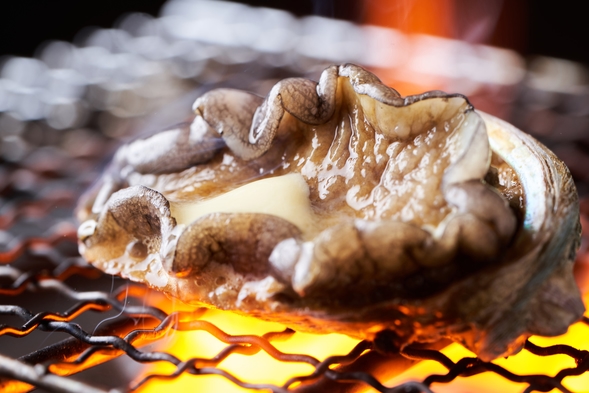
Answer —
552 28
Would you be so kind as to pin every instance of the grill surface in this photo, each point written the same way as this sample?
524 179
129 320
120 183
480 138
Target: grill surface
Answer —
65 325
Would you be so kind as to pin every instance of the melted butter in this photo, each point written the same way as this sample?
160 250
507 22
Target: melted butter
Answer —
285 196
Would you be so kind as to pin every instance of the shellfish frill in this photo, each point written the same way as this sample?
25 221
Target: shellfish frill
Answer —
340 206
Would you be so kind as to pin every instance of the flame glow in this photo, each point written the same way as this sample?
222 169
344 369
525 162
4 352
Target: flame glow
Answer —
259 368
262 368
524 363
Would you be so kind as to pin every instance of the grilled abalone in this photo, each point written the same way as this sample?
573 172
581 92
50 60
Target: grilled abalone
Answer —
340 206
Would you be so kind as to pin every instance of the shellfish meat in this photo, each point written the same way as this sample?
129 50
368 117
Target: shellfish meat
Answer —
340 206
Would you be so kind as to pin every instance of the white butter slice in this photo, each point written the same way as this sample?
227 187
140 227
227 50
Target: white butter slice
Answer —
285 196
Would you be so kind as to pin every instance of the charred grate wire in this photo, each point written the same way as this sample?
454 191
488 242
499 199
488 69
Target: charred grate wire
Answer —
52 140
138 324
117 338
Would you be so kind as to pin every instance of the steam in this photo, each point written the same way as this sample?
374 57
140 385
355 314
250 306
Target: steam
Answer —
472 21
476 20
323 8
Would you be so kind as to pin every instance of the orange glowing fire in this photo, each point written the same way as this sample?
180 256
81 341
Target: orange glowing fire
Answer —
524 363
262 368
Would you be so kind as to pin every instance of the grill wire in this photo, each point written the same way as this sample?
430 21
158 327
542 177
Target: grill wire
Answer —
60 317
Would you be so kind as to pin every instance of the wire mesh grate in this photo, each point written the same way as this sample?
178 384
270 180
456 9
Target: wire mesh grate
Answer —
139 325
61 320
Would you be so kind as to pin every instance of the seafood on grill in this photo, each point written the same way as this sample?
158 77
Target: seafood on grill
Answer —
340 206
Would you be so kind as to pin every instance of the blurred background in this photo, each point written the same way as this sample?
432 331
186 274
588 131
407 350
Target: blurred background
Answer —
522 60
531 27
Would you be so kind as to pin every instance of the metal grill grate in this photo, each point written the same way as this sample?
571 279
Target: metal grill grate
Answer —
60 319
138 325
